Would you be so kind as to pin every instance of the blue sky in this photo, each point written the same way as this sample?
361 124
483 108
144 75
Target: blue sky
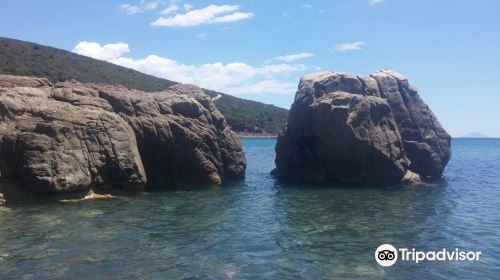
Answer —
259 49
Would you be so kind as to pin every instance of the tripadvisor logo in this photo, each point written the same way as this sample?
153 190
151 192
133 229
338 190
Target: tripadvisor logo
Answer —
387 255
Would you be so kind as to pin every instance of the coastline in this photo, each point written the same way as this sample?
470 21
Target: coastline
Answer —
255 135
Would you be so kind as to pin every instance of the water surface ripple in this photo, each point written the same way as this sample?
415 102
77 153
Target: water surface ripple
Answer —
259 228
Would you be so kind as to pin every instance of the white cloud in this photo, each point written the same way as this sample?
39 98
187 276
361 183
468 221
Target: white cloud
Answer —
217 76
307 6
350 46
233 78
375 2
129 9
188 7
107 52
207 15
151 5
232 17
275 69
170 9
210 75
266 86
293 57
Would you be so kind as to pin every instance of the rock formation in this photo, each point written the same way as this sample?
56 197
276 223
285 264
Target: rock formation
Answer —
348 128
75 137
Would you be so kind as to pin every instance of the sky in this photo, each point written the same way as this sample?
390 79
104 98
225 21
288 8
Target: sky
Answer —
256 49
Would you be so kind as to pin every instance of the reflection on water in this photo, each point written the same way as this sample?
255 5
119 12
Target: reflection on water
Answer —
259 228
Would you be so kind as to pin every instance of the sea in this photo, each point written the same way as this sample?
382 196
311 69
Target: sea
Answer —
261 228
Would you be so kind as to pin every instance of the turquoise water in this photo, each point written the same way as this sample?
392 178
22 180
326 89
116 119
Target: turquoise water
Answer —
262 229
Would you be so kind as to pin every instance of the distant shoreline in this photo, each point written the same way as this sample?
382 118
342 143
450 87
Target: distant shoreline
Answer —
255 135
478 138
269 135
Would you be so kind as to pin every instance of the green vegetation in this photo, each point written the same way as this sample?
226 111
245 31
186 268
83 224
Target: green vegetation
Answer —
30 59
250 116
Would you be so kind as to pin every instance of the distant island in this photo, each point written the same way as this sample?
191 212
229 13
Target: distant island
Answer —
30 59
474 135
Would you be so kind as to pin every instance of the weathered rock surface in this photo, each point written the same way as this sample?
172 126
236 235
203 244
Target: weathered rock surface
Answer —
76 137
348 128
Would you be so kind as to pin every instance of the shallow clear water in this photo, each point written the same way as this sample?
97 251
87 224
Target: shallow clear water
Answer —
258 228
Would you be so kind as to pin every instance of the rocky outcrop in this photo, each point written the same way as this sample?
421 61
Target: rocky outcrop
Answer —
348 128
75 137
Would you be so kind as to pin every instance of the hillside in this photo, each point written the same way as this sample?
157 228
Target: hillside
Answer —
250 116
31 59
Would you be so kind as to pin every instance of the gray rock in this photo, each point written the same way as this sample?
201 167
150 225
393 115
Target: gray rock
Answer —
347 128
426 143
76 137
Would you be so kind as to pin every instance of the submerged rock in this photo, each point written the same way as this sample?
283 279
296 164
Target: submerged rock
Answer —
348 128
74 137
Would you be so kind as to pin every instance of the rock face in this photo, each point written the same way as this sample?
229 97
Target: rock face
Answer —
75 137
348 128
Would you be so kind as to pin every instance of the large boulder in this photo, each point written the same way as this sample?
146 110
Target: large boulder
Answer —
76 137
348 128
